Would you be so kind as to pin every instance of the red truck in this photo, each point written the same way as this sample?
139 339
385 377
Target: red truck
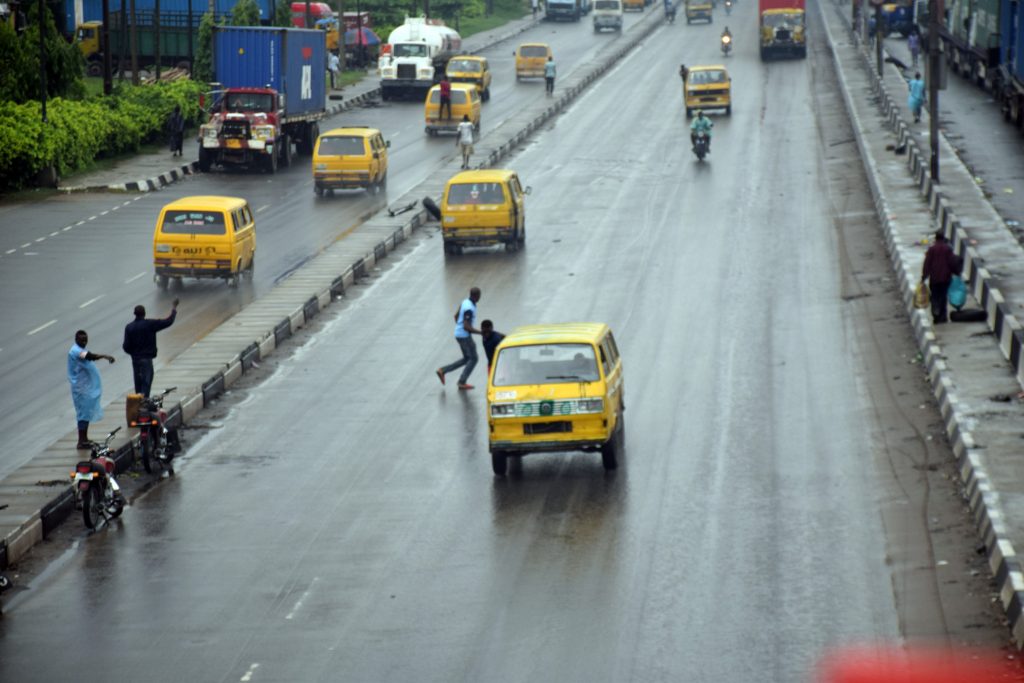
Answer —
782 27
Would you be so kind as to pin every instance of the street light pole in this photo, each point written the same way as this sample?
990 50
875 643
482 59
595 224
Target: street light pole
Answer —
934 10
42 57
878 38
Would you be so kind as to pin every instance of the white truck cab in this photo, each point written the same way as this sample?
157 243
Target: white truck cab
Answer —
607 15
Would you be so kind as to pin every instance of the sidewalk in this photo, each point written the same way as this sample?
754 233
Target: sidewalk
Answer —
149 171
974 368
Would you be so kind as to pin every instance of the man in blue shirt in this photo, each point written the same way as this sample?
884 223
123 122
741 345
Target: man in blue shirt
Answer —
464 331
140 344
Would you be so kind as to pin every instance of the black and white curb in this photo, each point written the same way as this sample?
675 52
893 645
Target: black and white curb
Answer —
984 502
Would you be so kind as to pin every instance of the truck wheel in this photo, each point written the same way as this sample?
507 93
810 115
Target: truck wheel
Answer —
286 151
611 450
689 112
318 191
94 69
205 160
161 281
499 463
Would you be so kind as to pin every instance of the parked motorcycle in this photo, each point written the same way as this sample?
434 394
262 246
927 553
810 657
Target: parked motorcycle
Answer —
700 145
157 444
726 43
95 487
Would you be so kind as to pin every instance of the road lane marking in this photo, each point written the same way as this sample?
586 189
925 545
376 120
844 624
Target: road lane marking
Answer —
302 599
26 245
92 300
80 223
91 218
104 213
41 239
134 278
126 203
41 327
54 233
68 228
250 672
265 206
10 251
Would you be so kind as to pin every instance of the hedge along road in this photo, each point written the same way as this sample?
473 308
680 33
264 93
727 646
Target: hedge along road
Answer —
744 533
84 260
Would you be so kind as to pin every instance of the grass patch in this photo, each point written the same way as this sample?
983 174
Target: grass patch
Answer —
346 78
504 12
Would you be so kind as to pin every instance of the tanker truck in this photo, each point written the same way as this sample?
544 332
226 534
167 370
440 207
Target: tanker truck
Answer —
782 28
415 57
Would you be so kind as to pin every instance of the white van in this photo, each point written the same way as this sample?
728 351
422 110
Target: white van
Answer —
607 14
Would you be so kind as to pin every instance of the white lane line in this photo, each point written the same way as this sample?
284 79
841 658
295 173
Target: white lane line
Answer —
54 233
265 206
302 598
68 228
80 223
134 278
92 301
31 253
126 203
250 672
10 251
26 245
104 213
41 239
41 327
91 218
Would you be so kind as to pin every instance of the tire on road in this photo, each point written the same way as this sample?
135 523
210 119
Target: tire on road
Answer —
499 463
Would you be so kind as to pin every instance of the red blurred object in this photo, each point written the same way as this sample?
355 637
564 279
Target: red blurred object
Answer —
919 665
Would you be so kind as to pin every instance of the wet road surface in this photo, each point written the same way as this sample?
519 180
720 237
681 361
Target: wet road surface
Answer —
339 520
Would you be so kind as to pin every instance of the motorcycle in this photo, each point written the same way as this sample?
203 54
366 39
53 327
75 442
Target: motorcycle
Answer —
726 43
700 145
95 487
728 6
157 444
670 13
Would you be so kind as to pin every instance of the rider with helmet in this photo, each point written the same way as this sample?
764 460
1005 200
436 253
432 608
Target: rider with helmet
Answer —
701 124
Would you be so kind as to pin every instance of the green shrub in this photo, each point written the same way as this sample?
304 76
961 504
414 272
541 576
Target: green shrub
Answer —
79 131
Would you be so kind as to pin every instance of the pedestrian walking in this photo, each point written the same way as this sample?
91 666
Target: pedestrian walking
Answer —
140 344
464 140
683 71
534 6
445 88
176 130
549 74
914 45
464 332
940 265
490 338
333 64
915 96
86 387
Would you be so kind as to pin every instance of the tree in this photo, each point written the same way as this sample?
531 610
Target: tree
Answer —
202 69
245 13
19 54
283 13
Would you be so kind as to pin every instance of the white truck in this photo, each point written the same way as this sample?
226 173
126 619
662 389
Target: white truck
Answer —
415 57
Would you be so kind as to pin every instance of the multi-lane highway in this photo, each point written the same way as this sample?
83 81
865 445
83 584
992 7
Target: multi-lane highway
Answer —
85 260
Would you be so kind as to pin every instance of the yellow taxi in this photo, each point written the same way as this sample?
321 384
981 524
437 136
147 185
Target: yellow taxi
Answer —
480 208
465 102
530 60
471 69
204 237
556 387
350 158
707 87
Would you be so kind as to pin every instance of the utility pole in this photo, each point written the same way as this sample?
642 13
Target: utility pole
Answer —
879 35
935 10
42 57
122 57
134 44
341 36
309 15
191 34
156 36
108 79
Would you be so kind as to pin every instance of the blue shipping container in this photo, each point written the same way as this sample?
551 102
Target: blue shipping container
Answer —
1011 38
289 60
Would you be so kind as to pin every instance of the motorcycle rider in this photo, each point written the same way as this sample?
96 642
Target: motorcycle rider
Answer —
701 124
670 10
725 33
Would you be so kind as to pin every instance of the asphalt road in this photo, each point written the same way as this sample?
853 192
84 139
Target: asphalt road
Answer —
338 520
85 260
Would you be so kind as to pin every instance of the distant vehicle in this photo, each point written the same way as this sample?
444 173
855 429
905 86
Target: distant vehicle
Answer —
637 5
178 41
607 14
708 87
556 388
530 60
272 96
698 10
572 10
465 102
415 57
204 237
475 70
350 158
782 27
481 208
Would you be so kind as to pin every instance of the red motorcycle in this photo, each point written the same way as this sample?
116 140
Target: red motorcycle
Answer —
95 487
157 443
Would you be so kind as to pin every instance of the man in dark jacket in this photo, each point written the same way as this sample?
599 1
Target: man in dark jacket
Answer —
491 339
140 344
940 264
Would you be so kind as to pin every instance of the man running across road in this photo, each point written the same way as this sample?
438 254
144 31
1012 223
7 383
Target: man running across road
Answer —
464 332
